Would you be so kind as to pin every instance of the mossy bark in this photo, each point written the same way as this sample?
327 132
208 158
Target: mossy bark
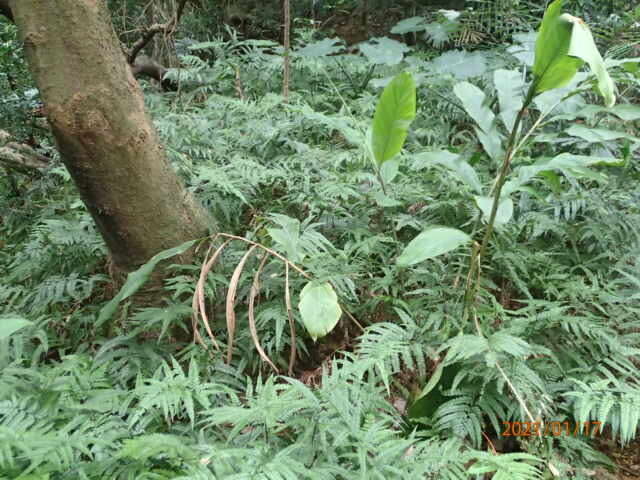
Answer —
106 139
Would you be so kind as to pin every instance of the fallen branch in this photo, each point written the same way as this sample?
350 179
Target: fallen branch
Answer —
145 66
20 157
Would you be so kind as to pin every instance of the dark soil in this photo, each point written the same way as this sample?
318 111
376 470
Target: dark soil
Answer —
627 460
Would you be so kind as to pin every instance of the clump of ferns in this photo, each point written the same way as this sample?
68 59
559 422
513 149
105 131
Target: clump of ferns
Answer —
201 316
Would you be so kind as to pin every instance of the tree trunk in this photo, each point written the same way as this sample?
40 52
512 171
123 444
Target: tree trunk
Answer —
106 140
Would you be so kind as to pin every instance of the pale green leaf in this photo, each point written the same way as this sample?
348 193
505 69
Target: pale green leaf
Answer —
385 200
287 237
461 64
389 170
431 243
409 25
597 135
319 308
504 212
627 112
440 33
510 87
455 163
584 47
567 163
321 48
524 48
473 101
384 51
394 113
491 142
9 324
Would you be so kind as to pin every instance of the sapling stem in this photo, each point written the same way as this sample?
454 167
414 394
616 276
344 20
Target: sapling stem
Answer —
473 277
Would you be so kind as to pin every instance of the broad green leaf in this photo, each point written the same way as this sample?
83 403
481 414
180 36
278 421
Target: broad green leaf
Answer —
322 48
385 200
473 101
584 48
389 170
491 142
559 101
524 48
510 87
431 243
504 212
455 163
564 43
597 135
319 308
135 280
287 237
566 163
394 113
461 64
9 324
384 51
553 67
627 112
409 25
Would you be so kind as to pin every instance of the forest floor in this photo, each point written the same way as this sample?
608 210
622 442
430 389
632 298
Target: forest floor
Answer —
627 460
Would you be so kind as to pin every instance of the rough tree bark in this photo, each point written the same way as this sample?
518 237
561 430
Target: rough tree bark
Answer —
107 141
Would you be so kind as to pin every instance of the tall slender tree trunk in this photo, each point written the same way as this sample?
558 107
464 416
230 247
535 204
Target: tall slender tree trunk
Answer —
286 77
105 138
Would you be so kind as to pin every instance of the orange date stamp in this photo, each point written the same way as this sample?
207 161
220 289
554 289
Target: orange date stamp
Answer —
550 429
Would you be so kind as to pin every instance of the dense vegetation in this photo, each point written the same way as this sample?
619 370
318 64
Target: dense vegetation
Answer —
407 384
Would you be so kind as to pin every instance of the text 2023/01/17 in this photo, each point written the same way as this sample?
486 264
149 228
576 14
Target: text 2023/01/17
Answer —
548 429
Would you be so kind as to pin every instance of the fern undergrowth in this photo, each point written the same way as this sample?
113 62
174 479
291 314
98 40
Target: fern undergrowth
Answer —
559 302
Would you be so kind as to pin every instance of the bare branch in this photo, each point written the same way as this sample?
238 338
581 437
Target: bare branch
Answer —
167 28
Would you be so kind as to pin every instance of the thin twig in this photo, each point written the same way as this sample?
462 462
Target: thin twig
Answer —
292 326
